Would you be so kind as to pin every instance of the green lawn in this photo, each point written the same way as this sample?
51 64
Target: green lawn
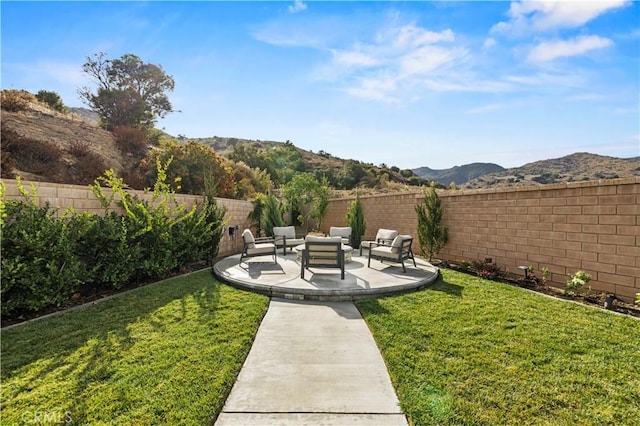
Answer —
168 353
469 351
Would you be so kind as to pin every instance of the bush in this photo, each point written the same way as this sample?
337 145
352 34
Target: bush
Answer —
16 100
577 281
46 259
107 258
132 140
88 165
52 99
489 271
39 265
30 154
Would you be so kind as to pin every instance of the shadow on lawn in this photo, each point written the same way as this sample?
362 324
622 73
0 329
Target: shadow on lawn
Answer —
102 328
446 287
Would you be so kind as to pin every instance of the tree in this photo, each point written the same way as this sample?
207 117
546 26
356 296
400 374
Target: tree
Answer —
432 235
192 164
306 196
355 219
52 99
256 215
130 92
272 215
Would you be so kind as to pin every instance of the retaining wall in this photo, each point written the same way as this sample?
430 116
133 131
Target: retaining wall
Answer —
592 226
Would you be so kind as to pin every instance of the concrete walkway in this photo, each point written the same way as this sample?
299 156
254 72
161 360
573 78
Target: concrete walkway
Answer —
312 363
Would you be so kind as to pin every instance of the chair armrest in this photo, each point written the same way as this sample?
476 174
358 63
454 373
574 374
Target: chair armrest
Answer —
380 244
264 240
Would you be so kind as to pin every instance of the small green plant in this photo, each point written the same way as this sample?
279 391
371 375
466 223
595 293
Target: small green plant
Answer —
463 265
432 234
355 219
546 274
637 298
486 270
577 281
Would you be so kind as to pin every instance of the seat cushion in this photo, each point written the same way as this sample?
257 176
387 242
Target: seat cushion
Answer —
313 239
384 252
284 231
248 239
386 235
263 248
340 231
396 244
291 242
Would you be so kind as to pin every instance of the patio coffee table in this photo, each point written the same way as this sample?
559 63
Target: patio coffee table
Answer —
345 248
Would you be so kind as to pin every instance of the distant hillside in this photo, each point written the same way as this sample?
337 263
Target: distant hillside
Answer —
458 174
41 144
580 166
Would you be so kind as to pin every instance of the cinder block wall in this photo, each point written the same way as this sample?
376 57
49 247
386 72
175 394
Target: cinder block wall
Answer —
82 199
592 226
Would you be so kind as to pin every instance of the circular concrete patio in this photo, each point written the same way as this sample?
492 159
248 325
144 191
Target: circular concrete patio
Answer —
282 280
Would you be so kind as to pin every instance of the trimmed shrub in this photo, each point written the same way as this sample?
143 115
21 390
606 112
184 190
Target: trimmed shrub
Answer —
39 265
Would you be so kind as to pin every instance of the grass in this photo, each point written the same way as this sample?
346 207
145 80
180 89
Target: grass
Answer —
167 353
474 352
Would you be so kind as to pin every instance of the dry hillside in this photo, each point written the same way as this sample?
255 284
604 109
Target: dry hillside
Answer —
41 144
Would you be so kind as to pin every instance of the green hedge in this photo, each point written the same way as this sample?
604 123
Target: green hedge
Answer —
46 259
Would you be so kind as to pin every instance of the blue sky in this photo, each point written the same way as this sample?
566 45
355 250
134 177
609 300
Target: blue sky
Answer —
408 84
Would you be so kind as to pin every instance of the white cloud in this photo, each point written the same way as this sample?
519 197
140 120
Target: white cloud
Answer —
487 108
398 59
297 6
550 50
354 58
539 16
489 43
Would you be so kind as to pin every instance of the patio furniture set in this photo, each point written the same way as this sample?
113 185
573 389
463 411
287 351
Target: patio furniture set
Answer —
332 251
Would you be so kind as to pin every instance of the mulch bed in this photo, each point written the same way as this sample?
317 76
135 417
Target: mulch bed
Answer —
593 298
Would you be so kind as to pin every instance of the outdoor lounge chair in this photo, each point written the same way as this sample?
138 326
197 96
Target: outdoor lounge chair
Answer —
344 232
285 237
398 251
383 236
252 247
323 252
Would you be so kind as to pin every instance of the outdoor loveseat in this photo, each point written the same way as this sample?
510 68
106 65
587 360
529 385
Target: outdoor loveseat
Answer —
398 251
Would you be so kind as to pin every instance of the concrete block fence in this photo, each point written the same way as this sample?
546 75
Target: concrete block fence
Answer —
82 199
592 226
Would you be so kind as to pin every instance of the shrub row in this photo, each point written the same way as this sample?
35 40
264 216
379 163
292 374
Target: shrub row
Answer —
47 259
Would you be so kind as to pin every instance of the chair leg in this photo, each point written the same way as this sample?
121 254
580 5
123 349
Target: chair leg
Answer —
403 268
